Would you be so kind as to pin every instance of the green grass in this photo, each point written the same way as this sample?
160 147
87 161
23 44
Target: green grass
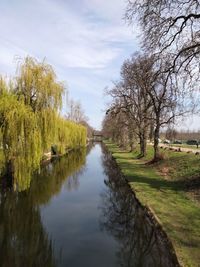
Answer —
166 195
181 166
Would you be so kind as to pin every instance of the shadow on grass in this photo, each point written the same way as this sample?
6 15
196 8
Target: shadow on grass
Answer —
139 156
134 173
144 172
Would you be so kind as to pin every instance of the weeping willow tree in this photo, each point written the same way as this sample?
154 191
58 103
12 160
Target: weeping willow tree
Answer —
69 135
37 85
30 121
21 139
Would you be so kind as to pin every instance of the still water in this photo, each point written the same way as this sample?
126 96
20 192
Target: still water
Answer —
78 212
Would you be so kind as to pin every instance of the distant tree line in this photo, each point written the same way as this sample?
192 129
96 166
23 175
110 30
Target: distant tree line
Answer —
181 135
160 83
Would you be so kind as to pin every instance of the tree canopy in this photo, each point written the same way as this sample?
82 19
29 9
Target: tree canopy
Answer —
30 120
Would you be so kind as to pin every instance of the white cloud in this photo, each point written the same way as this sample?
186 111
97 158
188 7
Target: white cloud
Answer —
84 40
45 28
110 10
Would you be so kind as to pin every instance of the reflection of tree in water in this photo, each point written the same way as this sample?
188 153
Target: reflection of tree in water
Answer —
73 180
90 146
53 175
122 216
23 240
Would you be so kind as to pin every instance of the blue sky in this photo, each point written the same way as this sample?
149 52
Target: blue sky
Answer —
85 41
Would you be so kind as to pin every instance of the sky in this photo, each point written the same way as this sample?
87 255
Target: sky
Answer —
86 42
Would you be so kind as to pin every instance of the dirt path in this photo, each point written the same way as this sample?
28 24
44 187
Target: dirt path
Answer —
184 149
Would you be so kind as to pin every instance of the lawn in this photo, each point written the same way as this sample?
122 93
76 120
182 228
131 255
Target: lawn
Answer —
165 188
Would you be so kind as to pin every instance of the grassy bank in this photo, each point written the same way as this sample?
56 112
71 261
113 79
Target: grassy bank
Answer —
168 188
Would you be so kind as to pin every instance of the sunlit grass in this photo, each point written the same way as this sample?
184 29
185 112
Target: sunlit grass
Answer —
165 193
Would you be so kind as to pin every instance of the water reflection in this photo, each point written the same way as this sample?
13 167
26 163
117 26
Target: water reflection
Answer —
139 242
24 177
23 238
53 175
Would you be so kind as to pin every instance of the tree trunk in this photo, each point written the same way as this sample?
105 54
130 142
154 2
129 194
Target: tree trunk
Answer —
8 175
143 144
151 133
156 141
131 143
131 146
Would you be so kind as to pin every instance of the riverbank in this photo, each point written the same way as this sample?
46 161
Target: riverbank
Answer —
47 157
164 188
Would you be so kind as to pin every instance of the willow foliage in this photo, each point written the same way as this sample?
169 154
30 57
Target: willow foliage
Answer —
21 138
30 122
70 133
37 84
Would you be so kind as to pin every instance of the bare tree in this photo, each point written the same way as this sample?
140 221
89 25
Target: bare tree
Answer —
171 28
115 126
138 80
165 107
146 98
171 133
132 98
75 112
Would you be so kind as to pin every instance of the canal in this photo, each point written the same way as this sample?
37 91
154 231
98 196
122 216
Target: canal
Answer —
78 212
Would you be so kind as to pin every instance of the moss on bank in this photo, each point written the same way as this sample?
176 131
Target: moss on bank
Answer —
163 187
